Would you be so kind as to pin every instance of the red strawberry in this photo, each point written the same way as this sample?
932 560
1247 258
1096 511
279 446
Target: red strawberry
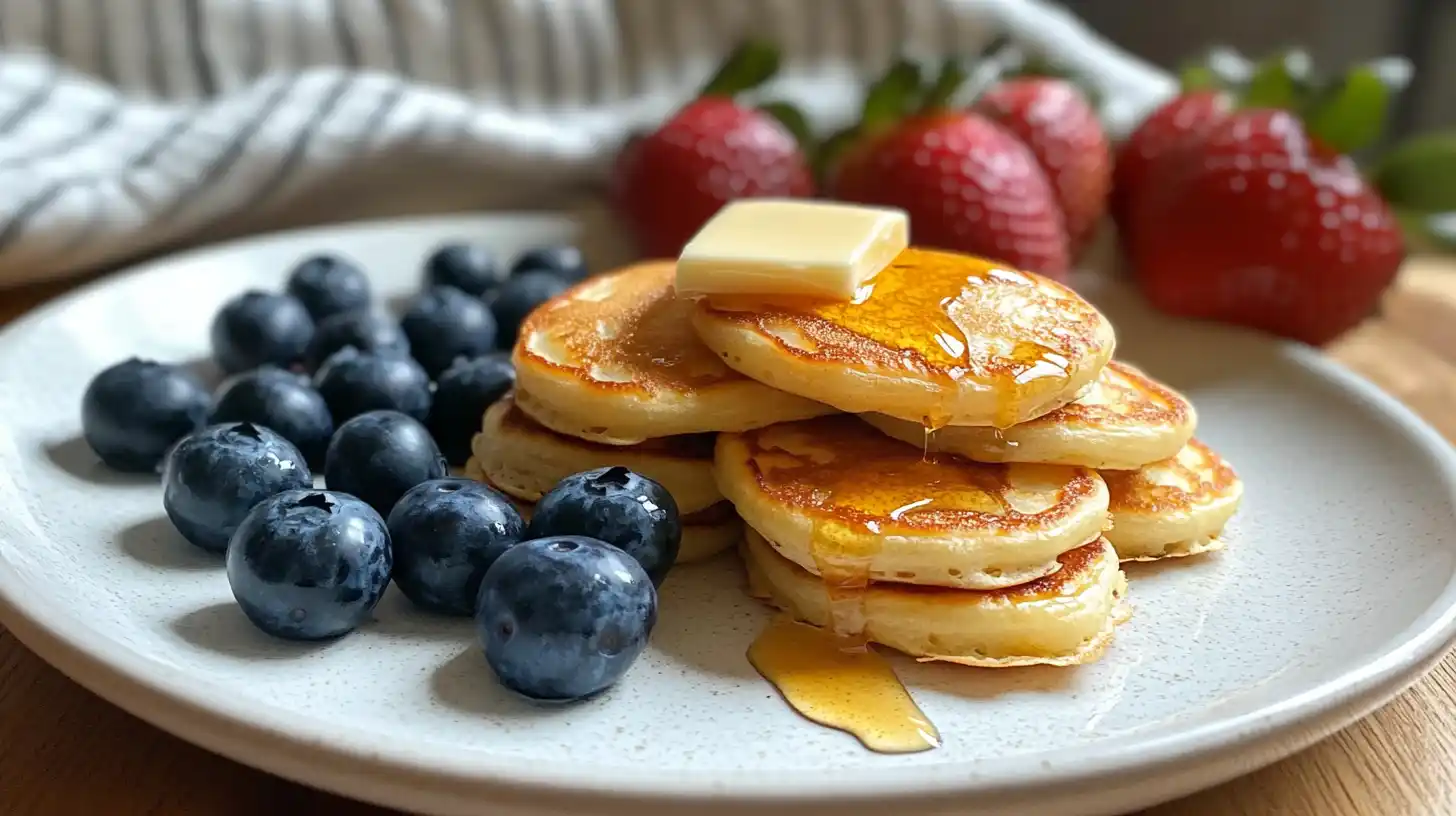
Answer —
1180 121
967 184
1056 121
668 183
1260 224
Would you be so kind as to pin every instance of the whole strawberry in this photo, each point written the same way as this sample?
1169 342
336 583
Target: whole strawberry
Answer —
668 183
1179 121
1264 222
967 184
1053 118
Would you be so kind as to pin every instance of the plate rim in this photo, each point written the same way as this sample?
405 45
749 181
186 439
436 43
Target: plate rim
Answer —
132 682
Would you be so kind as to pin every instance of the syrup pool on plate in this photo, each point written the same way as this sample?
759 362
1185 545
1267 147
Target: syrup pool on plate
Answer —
832 675
853 691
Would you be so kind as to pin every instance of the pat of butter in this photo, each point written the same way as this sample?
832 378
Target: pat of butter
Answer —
762 246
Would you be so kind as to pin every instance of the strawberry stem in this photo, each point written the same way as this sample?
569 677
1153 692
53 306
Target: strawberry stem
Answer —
1281 81
1350 113
1221 68
748 66
1003 60
793 121
892 97
947 82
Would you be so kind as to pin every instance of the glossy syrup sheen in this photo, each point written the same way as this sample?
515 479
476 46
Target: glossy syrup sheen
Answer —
856 485
946 317
625 330
841 471
859 491
853 691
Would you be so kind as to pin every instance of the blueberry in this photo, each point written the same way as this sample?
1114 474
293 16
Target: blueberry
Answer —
327 285
216 475
563 618
471 268
520 296
446 534
445 323
309 564
256 328
562 260
367 331
281 401
353 383
378 456
135 410
622 508
462 394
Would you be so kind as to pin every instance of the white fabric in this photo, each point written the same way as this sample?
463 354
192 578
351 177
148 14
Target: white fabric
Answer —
131 126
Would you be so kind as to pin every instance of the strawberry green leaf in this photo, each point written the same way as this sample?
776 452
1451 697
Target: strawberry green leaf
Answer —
950 79
1420 174
1219 69
793 121
748 66
1277 82
1351 113
893 97
1197 77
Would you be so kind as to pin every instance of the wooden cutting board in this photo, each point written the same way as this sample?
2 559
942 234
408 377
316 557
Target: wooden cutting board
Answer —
63 750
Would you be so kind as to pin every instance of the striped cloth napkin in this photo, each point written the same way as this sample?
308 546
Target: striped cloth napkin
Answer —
129 127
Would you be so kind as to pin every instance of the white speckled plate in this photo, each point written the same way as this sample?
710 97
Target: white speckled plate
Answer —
1336 592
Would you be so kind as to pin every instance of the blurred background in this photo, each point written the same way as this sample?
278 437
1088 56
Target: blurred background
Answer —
1335 32
129 128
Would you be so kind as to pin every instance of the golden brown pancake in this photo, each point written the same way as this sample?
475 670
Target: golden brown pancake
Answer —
935 338
705 533
1176 507
1066 618
515 450
1123 421
835 495
615 360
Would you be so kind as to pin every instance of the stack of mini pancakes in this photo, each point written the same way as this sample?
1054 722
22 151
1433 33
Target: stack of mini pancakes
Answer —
950 464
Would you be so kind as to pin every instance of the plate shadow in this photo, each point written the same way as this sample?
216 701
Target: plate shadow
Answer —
224 629
155 542
466 684
75 457
397 617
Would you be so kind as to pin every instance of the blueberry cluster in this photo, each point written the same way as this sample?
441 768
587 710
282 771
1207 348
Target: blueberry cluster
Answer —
320 379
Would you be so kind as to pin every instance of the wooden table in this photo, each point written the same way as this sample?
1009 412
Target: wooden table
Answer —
64 751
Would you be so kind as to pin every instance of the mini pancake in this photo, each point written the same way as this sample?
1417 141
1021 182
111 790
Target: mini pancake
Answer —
1173 508
935 338
515 450
1064 619
706 533
834 494
615 360
1123 421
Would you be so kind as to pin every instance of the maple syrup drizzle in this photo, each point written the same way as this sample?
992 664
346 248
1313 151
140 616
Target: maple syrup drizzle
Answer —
950 317
946 315
844 560
856 692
